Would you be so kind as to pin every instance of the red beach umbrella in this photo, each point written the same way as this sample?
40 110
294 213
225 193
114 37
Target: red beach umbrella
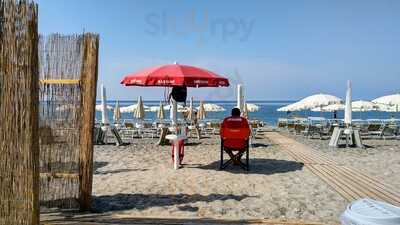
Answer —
172 75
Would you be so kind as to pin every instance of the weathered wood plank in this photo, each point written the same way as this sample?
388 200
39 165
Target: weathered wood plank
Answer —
89 83
98 219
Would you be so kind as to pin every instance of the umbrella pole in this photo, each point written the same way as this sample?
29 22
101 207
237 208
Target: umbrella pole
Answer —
173 111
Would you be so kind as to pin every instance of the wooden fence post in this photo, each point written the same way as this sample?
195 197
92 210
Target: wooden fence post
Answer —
88 85
19 118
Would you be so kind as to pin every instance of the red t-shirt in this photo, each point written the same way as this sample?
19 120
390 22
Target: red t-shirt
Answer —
235 131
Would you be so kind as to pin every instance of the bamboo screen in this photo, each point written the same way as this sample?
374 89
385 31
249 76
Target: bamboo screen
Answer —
19 149
60 60
65 123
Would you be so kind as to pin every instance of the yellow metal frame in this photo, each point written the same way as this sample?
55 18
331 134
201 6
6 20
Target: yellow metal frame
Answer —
61 81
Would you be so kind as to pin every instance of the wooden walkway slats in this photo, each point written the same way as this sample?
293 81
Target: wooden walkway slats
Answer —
351 184
96 219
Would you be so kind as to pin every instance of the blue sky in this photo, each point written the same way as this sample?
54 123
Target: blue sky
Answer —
278 49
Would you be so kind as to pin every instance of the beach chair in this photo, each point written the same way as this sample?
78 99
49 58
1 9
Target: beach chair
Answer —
235 134
384 132
282 123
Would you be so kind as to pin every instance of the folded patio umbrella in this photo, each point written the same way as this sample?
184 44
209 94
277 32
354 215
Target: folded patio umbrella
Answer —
139 112
201 114
160 112
117 112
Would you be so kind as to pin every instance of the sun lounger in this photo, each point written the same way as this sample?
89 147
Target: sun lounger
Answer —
282 123
384 132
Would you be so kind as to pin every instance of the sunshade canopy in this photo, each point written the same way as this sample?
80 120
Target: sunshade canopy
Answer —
175 75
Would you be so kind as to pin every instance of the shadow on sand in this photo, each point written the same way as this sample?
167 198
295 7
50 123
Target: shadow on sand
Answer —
97 165
119 202
259 166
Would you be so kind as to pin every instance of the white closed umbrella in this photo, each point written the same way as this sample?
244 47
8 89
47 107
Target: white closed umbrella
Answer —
318 101
117 112
240 97
160 112
190 115
252 107
245 113
173 111
348 107
201 114
104 109
139 112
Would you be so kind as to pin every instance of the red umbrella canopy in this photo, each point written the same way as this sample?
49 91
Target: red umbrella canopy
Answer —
175 75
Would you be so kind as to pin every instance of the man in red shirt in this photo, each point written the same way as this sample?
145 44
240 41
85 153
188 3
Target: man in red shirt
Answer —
235 133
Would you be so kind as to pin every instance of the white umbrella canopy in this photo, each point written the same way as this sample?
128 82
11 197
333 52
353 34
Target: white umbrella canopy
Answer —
297 106
388 108
117 112
348 106
201 114
157 108
160 112
329 108
391 100
319 100
363 106
100 107
208 107
133 108
252 107
388 103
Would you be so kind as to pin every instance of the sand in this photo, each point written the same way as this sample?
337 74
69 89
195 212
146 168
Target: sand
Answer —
139 180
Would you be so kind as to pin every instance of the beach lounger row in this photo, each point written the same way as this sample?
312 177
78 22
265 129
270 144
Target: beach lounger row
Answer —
316 127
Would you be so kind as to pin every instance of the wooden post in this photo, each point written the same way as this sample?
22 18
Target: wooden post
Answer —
19 100
88 85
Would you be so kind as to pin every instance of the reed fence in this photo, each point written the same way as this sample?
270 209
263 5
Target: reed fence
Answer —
68 76
19 147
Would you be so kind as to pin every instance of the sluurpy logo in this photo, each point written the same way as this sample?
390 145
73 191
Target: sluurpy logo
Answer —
198 25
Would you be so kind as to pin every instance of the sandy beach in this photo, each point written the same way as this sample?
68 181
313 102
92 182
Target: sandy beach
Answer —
139 180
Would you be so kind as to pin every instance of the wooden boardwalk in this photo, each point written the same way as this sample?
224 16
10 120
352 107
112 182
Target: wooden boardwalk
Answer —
96 219
349 183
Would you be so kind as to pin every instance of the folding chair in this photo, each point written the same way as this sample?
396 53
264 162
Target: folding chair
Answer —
235 133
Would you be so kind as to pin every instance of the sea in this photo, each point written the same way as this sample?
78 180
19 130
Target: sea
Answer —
267 113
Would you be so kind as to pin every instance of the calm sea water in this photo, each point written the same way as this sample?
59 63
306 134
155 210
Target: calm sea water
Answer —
267 112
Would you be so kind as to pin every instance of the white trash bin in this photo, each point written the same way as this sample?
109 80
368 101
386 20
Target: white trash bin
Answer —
370 212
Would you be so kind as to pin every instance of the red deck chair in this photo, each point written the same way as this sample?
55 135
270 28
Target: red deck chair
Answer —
235 133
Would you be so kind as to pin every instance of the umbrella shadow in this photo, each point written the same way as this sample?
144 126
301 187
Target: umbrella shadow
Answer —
119 202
